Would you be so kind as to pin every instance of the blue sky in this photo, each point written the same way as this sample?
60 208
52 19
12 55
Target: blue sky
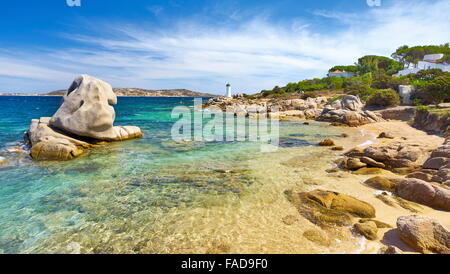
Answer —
201 45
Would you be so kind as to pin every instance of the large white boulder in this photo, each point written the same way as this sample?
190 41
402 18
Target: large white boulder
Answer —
85 118
86 111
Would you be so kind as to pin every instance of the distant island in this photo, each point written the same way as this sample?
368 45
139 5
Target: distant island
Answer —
130 92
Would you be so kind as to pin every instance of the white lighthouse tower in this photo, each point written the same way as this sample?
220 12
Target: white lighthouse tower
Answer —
229 94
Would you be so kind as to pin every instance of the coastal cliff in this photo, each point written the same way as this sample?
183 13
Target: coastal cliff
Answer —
138 92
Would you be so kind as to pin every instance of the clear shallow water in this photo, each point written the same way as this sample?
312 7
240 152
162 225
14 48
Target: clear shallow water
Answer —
153 195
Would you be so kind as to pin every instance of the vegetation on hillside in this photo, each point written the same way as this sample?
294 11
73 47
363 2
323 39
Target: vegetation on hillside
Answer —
411 55
353 69
373 63
375 83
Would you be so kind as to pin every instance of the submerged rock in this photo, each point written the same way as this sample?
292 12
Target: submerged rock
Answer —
368 171
85 118
386 135
289 219
379 224
323 207
337 148
317 236
367 229
424 234
327 143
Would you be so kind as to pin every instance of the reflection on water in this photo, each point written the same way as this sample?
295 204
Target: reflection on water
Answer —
154 195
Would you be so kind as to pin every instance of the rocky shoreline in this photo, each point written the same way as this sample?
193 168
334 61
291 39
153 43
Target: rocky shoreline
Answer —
404 172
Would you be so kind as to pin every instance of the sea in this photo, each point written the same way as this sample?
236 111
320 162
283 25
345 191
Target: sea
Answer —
156 195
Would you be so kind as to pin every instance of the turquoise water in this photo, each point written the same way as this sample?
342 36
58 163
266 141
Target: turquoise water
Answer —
138 196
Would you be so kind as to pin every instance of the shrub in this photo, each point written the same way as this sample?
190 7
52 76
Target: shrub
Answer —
384 81
417 102
309 94
384 98
335 82
433 91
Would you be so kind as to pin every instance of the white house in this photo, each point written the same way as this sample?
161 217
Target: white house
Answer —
339 73
430 61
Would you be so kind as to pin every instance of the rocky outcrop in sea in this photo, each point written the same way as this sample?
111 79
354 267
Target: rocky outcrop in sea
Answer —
84 119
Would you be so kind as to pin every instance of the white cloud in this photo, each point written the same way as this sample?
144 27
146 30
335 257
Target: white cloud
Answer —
255 55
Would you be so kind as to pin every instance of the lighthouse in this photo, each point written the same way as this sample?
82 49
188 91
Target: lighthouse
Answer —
228 94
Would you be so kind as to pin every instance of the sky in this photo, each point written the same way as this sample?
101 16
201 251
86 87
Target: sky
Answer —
203 44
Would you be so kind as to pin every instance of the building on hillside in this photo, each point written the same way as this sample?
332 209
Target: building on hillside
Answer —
341 73
430 61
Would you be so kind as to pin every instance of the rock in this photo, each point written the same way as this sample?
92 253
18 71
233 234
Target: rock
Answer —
348 111
289 220
84 119
2 161
297 103
332 170
424 234
354 164
393 250
443 151
368 171
427 177
441 176
51 148
421 192
306 123
327 142
344 135
372 162
367 229
86 112
436 163
379 224
397 154
324 208
403 170
356 152
353 206
381 183
386 135
317 236
40 129
337 148
351 102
